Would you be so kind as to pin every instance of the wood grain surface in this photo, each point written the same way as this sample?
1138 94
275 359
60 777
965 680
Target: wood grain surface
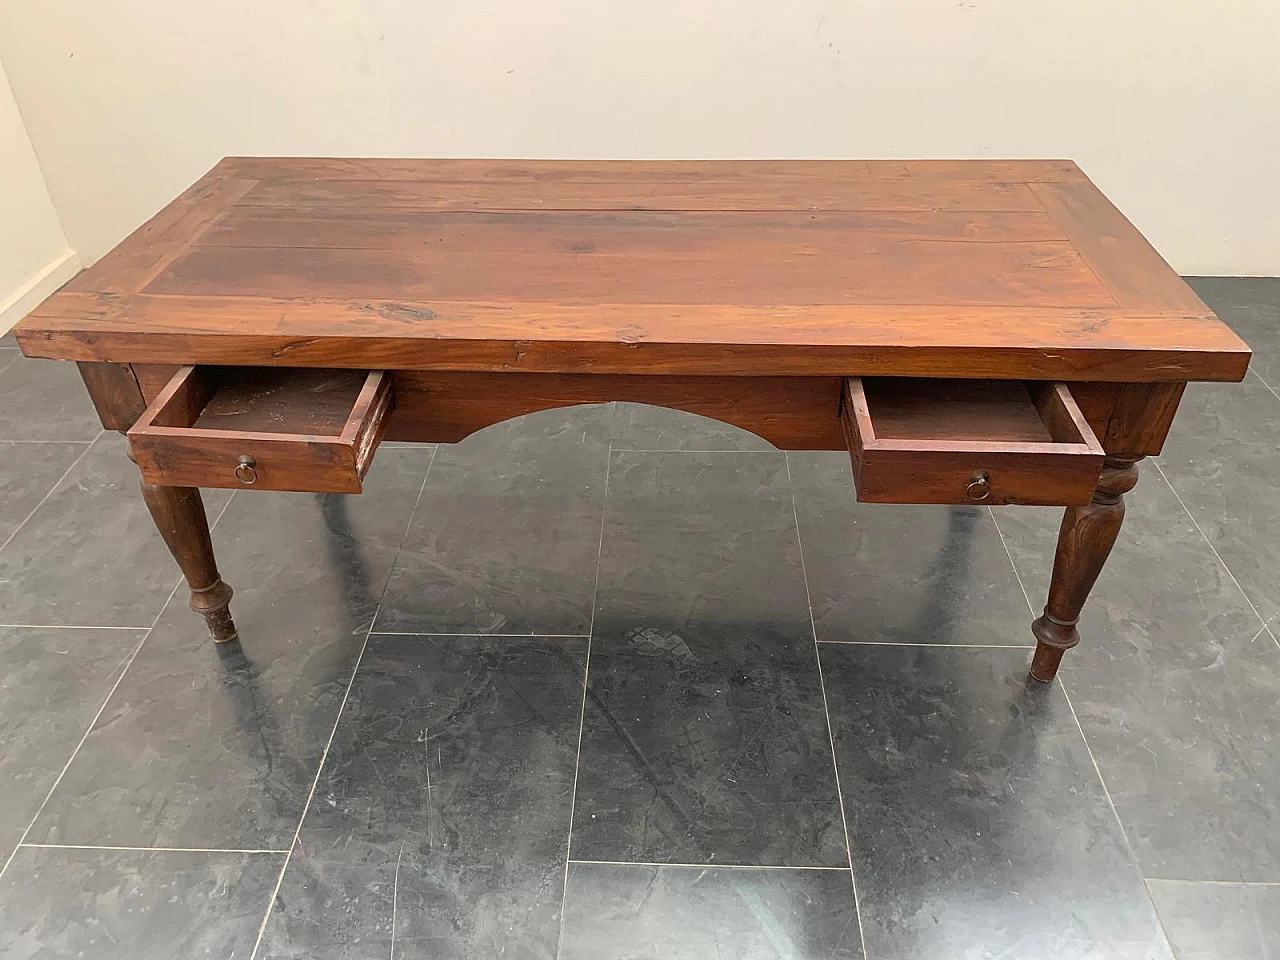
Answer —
1005 269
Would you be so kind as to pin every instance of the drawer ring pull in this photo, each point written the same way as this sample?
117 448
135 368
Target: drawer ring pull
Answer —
979 487
246 469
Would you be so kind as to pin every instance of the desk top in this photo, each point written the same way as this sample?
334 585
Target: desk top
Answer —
919 268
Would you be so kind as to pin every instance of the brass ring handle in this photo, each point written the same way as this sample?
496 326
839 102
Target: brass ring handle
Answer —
979 487
246 469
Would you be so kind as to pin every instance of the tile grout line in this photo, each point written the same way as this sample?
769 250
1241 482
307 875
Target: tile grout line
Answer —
64 442
947 646
395 883
324 756
1218 883
826 709
1102 782
712 865
413 513
96 846
582 713
1013 566
1061 683
473 633
337 720
18 529
1185 509
68 626
1124 834
1155 908
1098 770
127 663
1263 381
613 450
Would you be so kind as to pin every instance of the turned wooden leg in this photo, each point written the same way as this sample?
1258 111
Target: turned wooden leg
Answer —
179 514
1084 542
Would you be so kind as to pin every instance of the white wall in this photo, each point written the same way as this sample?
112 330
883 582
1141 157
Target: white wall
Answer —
34 257
1173 106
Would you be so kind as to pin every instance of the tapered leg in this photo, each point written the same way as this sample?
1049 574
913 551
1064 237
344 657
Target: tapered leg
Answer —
179 514
1084 542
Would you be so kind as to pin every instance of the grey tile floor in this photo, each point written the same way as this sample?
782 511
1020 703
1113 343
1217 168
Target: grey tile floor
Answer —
619 682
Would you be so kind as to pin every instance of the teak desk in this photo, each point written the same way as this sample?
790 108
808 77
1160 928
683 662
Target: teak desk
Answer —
970 331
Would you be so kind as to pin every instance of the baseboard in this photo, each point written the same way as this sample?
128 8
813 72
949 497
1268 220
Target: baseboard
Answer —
28 296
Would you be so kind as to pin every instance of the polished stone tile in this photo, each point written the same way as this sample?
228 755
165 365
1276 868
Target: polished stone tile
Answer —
639 426
339 910
1223 459
902 574
45 400
133 905
90 555
1178 693
443 809
53 682
27 472
508 532
680 913
1251 307
978 825
1210 921
217 746
704 737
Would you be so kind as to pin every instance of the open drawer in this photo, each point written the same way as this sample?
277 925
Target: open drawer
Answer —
263 428
968 441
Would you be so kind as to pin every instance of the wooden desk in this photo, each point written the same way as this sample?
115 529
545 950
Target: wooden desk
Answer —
971 331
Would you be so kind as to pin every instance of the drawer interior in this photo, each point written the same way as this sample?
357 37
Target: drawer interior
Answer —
963 441
964 411
272 428
271 400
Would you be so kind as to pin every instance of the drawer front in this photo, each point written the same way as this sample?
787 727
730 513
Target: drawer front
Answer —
898 476
301 439
247 463
980 447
